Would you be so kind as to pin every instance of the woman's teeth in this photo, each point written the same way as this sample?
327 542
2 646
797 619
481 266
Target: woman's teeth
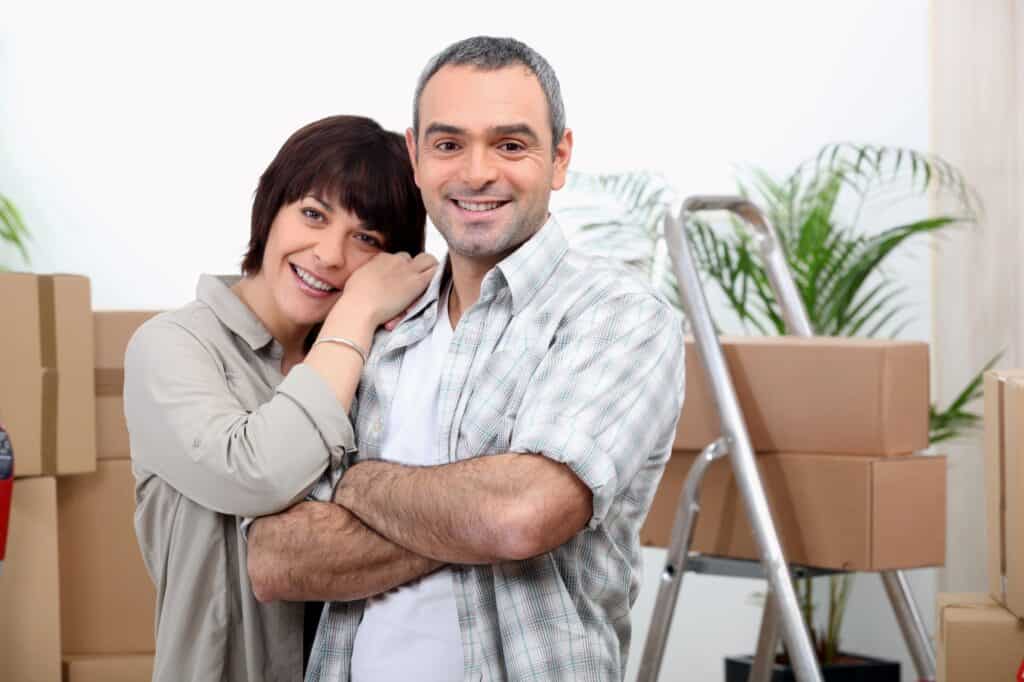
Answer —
312 281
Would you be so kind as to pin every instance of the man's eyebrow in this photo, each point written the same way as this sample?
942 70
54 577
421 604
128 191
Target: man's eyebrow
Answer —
521 129
516 129
443 129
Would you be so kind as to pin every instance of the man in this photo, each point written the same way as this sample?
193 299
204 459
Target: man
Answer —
512 429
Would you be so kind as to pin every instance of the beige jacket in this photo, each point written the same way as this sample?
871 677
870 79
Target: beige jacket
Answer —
217 433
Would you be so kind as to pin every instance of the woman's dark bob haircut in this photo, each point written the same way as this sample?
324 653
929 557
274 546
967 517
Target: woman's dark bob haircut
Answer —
350 159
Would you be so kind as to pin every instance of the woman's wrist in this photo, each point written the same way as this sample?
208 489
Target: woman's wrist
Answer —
353 321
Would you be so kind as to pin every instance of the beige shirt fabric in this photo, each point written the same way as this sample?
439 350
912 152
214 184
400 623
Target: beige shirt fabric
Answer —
217 433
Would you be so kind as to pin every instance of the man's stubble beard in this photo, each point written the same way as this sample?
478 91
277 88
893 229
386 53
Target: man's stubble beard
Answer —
519 231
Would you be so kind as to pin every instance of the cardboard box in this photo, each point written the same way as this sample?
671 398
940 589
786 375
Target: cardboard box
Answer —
831 511
116 668
21 362
977 640
46 399
107 597
821 394
113 330
29 609
1004 486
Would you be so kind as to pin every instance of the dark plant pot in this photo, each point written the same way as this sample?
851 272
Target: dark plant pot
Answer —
856 669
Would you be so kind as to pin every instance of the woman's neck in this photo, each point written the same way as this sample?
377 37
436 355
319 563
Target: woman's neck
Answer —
254 294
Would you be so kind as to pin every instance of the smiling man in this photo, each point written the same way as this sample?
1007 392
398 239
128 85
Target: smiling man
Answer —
512 430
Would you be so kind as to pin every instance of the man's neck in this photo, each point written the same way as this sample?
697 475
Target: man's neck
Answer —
467 276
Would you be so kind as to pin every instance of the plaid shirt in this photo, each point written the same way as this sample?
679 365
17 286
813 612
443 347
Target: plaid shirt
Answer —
578 360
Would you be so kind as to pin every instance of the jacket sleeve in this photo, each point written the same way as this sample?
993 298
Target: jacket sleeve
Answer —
186 426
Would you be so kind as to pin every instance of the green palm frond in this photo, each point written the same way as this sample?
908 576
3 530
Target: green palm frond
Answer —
12 228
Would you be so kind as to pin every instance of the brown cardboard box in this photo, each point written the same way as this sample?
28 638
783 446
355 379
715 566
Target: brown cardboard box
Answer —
1004 483
29 610
46 399
67 305
116 668
113 330
21 360
821 394
831 511
107 597
978 640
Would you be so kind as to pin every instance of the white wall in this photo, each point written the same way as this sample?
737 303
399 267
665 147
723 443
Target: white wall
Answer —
132 138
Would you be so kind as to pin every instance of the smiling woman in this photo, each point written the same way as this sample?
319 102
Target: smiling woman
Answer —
239 399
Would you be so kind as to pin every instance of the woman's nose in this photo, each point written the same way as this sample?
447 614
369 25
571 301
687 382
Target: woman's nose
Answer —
330 253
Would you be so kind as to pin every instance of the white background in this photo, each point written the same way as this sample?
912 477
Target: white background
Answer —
133 136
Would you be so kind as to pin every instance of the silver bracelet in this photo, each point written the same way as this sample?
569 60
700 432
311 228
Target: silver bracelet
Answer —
341 340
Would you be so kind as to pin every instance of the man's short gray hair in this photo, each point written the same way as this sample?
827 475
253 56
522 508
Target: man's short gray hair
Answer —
491 54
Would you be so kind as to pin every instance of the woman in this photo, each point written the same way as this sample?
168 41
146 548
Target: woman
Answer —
240 398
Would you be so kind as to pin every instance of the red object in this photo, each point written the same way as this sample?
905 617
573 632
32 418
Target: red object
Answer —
1020 672
6 487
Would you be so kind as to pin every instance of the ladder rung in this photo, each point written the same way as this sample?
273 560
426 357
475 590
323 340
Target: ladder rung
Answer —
707 564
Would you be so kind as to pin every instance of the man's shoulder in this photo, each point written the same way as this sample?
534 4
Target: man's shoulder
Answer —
592 279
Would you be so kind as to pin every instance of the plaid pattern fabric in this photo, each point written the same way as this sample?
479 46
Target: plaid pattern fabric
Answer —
567 356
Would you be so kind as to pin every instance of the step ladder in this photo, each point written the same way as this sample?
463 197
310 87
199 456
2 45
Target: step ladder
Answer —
781 615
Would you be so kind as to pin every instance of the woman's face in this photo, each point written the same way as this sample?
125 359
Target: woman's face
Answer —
313 247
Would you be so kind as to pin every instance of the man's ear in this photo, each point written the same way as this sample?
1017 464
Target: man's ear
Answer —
563 152
410 147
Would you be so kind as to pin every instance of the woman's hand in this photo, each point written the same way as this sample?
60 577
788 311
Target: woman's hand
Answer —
382 289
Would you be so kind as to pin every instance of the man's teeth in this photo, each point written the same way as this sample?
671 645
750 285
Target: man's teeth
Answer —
311 280
476 206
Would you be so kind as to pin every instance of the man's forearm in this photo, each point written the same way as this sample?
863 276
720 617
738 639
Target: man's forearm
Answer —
318 551
484 510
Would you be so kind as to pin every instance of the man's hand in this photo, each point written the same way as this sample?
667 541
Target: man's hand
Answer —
318 551
485 510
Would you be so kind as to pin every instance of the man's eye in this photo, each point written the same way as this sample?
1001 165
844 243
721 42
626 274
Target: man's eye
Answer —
446 146
513 147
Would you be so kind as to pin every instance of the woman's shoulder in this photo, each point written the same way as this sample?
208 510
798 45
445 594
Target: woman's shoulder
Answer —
175 334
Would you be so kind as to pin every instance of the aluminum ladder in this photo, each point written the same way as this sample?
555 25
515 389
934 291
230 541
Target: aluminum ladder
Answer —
781 610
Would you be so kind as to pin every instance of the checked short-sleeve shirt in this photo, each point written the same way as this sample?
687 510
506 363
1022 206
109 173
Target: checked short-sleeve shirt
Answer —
574 358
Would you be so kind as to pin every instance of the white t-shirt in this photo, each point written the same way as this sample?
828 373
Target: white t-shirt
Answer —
412 632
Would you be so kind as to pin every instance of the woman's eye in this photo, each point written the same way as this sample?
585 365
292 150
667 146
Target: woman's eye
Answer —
368 239
312 214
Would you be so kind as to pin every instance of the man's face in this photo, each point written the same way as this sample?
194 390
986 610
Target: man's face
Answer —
484 160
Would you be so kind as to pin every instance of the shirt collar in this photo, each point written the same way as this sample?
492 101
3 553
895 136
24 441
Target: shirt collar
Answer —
531 265
215 291
525 271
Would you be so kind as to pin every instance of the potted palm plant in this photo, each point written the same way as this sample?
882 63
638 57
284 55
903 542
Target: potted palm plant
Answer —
838 266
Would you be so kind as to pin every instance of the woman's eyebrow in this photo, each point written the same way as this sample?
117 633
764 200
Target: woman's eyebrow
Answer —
326 205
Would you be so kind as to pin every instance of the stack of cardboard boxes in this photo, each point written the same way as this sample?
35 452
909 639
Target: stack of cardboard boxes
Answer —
981 636
76 602
834 423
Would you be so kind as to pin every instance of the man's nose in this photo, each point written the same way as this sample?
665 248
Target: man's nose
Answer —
479 169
